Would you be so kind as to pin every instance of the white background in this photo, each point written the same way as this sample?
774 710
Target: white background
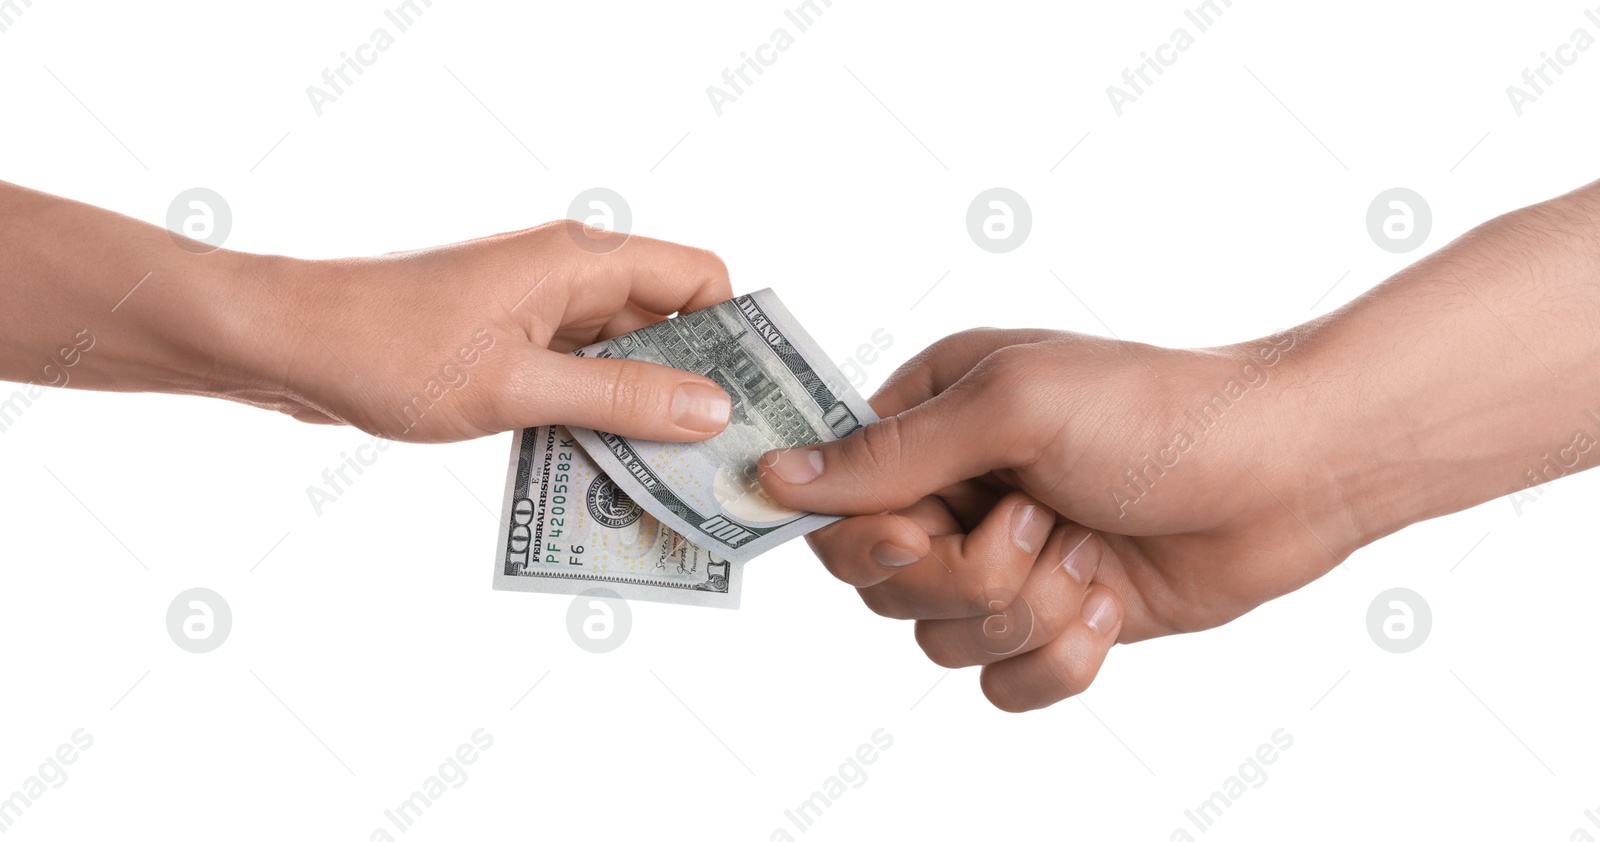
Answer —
1206 213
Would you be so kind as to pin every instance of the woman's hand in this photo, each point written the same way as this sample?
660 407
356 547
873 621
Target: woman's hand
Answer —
470 339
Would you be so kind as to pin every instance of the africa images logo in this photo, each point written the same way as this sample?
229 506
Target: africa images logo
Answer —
610 505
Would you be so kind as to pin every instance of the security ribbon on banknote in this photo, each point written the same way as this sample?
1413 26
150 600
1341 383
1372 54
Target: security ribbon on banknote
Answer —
674 522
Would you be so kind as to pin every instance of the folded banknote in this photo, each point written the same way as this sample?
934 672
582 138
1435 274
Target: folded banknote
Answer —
674 522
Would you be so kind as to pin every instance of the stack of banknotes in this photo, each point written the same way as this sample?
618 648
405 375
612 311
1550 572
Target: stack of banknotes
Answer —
676 522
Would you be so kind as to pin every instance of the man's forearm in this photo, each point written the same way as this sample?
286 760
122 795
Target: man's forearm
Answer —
1463 378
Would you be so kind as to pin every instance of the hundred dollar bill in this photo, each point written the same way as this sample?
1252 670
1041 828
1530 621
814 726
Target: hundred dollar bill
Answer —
786 393
567 528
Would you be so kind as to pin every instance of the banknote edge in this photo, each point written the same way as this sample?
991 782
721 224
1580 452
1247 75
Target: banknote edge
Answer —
631 591
577 584
503 535
817 359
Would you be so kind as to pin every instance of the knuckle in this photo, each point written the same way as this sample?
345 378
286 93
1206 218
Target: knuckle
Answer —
578 246
880 444
972 337
943 344
559 239
1053 620
923 365
1006 372
827 542
984 592
703 270
629 392
881 601
1007 383
715 267
570 229
954 342
845 571
587 230
1002 692
838 556
1076 673
937 646
973 597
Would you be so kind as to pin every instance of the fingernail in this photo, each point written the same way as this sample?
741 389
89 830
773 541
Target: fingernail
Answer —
798 467
893 555
1078 561
1100 611
701 407
1030 527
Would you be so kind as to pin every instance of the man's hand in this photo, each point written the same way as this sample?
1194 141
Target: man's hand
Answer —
1180 489
989 435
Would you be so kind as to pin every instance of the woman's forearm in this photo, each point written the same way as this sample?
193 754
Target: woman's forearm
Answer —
438 344
1468 376
92 299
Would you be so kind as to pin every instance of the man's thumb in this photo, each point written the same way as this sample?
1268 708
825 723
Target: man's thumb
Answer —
883 466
